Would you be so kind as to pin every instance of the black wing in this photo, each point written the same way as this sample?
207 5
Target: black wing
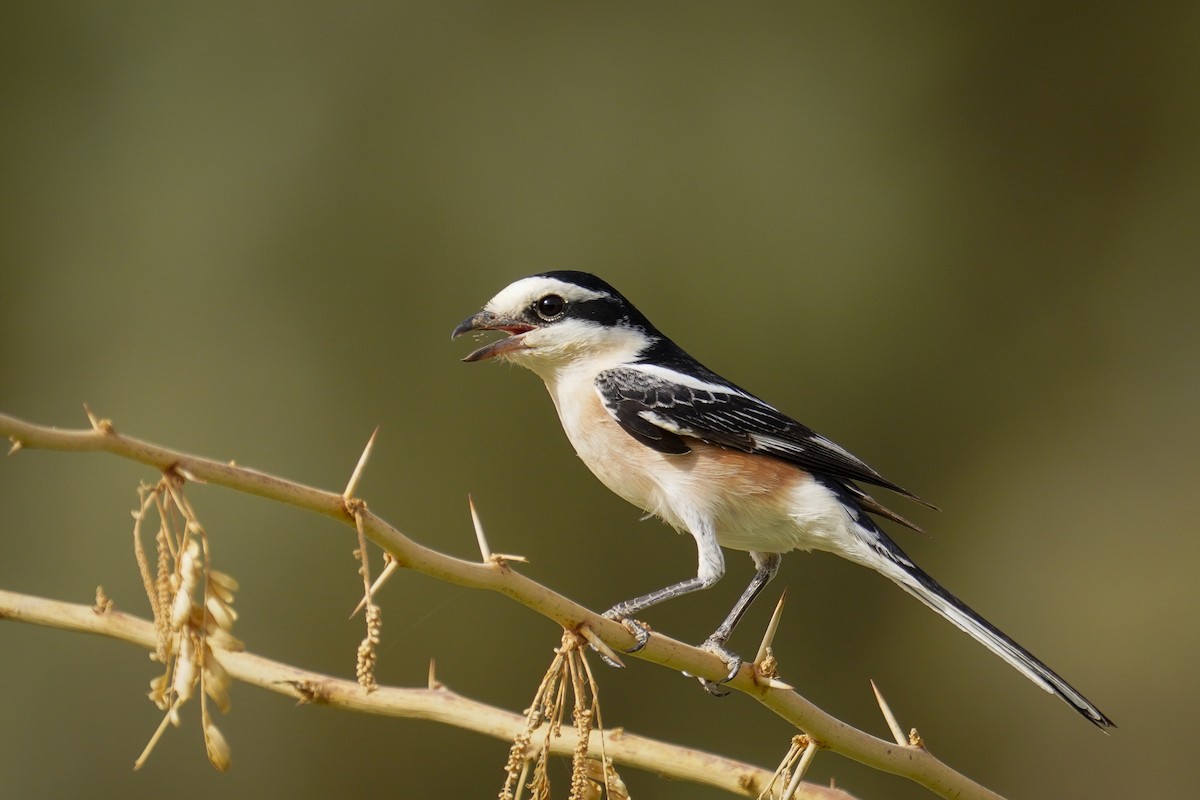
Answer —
663 412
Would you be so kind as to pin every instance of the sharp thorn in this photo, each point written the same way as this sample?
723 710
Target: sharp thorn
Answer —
352 484
889 717
772 627
484 551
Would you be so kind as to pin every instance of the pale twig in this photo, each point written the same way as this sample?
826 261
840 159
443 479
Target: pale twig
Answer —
810 750
523 777
139 553
144 756
917 765
389 566
798 758
365 564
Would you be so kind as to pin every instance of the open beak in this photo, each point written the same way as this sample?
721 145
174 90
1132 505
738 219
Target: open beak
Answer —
487 321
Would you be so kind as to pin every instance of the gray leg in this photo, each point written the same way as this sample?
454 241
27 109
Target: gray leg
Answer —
709 570
768 566
639 604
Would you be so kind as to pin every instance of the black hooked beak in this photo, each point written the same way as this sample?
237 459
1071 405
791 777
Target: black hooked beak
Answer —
487 321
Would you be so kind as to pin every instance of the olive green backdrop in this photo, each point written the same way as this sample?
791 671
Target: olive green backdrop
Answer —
960 241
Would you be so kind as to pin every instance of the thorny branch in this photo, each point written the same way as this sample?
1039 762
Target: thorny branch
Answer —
435 703
915 763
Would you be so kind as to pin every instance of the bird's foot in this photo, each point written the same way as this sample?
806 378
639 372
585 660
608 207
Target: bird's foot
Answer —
732 660
640 631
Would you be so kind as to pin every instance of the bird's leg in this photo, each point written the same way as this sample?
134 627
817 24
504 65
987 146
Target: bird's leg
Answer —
768 566
624 612
710 569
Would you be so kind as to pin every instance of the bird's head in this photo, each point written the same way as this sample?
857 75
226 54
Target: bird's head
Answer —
557 319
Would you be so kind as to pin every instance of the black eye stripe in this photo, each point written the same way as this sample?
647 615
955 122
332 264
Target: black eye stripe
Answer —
605 310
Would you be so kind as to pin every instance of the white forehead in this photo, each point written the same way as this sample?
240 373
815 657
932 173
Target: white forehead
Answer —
519 294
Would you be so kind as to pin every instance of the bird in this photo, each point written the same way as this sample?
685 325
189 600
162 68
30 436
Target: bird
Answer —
710 459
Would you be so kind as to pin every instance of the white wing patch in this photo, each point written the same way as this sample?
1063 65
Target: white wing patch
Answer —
670 377
666 423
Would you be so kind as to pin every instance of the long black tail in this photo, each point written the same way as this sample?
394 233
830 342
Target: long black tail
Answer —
916 582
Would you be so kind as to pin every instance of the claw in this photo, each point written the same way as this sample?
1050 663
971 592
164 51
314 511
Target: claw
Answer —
731 659
714 688
640 630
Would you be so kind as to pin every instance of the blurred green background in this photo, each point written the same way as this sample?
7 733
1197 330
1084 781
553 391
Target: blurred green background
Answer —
961 241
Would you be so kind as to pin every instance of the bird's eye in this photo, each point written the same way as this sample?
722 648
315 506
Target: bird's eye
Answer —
550 307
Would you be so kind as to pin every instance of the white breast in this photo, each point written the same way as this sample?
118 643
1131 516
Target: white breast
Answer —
625 466
753 502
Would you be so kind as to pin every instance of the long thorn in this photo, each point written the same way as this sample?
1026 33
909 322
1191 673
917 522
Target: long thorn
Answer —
600 646
772 627
889 717
484 551
434 683
361 465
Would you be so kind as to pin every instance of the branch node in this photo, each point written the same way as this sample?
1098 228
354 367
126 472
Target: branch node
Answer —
177 474
354 507
104 603
307 692
16 445
100 425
